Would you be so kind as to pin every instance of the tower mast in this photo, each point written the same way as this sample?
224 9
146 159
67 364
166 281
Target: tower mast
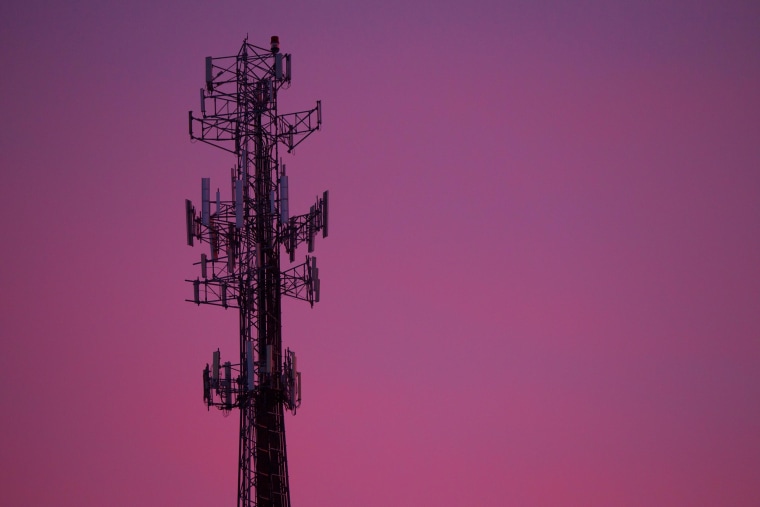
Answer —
242 269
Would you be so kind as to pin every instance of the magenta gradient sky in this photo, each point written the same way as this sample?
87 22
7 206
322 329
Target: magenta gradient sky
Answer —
541 286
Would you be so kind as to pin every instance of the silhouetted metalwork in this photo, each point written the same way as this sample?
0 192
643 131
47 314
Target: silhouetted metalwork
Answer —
241 268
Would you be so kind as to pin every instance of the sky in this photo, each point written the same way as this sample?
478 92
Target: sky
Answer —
541 285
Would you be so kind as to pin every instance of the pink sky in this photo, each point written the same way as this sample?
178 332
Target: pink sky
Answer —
541 285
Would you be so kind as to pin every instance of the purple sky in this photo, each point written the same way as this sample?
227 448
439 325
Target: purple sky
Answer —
541 285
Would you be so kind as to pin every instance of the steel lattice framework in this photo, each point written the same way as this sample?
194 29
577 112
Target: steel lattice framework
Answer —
242 269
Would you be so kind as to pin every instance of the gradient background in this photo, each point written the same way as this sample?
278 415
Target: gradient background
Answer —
541 285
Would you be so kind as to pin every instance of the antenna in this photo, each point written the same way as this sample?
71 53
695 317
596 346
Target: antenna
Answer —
315 279
249 365
312 218
215 361
278 66
231 249
253 227
293 381
190 219
205 203
284 215
239 204
269 360
209 74
325 195
206 385
226 386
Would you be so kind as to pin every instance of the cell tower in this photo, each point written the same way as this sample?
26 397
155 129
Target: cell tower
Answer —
241 268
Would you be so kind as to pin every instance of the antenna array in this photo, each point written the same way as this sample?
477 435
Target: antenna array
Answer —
241 268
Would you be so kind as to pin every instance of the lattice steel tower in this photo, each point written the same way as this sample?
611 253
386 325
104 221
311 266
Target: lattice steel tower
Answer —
241 269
